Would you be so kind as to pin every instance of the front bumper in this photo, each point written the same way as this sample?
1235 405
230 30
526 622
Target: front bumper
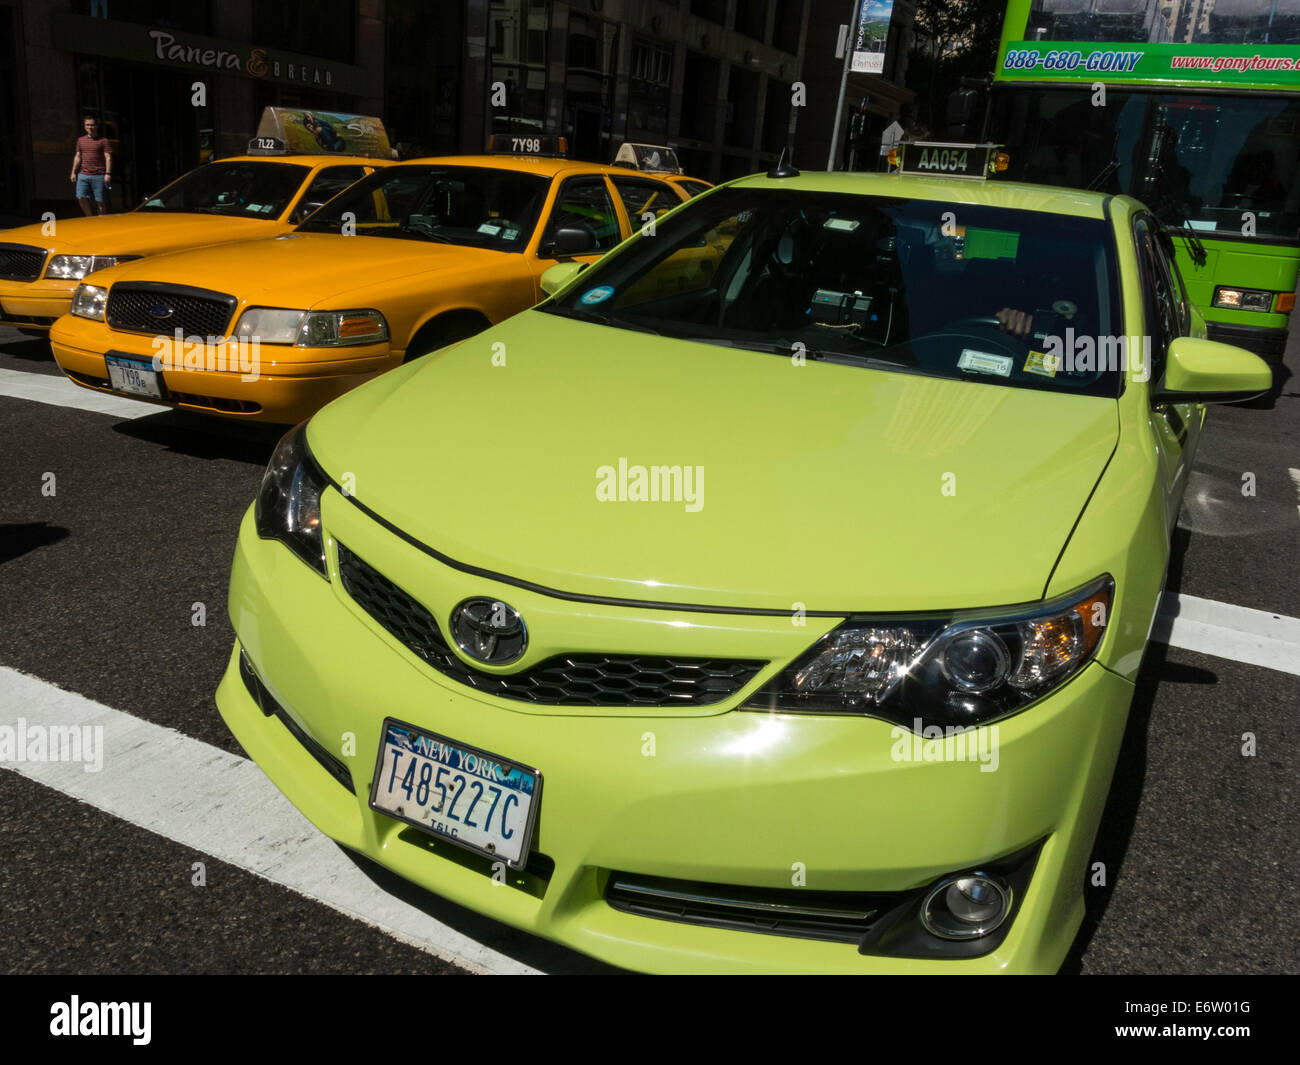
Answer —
725 796
279 384
35 305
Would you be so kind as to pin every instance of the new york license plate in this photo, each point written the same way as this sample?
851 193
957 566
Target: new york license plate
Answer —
468 796
133 376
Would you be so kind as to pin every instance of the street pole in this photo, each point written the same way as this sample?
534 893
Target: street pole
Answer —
844 82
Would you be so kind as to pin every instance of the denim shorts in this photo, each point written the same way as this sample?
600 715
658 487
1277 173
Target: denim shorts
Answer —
88 183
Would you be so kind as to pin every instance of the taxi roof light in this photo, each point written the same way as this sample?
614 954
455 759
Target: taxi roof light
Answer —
299 131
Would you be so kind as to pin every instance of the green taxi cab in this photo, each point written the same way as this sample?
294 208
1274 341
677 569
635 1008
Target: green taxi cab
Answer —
783 618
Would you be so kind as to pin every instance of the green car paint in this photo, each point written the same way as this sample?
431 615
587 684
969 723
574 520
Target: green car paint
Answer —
830 490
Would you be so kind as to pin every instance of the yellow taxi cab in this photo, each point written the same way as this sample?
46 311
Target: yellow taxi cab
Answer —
261 194
662 162
416 257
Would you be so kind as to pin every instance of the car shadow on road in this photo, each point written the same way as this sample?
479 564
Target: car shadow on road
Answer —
538 953
203 437
1120 815
18 538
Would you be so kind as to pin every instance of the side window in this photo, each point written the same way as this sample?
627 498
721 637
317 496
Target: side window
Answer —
584 203
326 185
1159 300
642 196
694 188
1168 258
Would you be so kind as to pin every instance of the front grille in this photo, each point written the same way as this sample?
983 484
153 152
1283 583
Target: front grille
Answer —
21 262
838 916
271 708
135 306
562 680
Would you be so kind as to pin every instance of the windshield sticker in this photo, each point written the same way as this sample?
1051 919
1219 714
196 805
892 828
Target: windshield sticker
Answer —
1041 363
983 362
489 229
846 224
599 294
509 234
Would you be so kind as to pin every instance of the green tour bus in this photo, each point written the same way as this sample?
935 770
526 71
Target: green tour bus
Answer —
1192 106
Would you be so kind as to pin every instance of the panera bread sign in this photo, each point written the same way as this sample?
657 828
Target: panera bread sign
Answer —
188 51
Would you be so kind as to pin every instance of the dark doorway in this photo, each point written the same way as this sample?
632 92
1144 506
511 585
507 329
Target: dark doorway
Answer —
149 116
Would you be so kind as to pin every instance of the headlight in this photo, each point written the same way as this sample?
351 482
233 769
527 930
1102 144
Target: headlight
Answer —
89 301
312 329
75 267
288 502
323 329
270 325
1243 299
954 670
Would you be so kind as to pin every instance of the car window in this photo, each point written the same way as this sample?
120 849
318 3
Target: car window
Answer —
252 189
473 206
330 182
879 281
642 197
694 188
1160 303
584 203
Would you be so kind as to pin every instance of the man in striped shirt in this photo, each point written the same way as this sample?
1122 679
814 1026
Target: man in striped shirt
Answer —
92 168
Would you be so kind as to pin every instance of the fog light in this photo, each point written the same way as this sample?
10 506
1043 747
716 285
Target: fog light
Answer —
965 907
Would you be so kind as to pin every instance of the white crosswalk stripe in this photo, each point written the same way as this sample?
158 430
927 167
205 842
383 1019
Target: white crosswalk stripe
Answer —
221 805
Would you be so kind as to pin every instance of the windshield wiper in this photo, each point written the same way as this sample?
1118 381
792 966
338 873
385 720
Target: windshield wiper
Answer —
424 231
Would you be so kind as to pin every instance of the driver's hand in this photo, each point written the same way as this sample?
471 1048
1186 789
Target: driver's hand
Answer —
1017 322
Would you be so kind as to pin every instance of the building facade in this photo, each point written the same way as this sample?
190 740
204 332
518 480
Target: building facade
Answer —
177 82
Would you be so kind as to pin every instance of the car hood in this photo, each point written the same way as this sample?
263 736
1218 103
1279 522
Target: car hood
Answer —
302 269
138 233
839 488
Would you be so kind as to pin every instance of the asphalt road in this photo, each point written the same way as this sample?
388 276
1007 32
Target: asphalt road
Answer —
98 590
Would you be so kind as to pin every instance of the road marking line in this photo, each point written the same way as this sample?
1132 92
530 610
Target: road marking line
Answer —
60 392
222 805
1256 637
1295 480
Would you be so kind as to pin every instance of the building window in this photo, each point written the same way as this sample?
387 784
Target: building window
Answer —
324 28
192 15
648 88
517 30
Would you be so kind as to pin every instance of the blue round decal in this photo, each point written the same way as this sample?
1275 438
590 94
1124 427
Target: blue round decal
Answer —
599 294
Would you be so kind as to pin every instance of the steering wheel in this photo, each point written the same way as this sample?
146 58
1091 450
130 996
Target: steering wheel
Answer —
983 330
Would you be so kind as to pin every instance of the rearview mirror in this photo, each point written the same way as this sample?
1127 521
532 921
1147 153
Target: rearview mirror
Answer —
1205 371
560 275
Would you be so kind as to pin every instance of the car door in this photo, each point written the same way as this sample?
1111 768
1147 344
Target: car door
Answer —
582 202
1175 426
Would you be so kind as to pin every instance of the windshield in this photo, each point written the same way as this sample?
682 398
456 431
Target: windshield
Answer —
247 190
1218 164
966 292
468 205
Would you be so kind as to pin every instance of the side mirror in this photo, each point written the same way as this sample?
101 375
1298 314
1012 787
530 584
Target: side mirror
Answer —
570 240
1205 371
560 275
